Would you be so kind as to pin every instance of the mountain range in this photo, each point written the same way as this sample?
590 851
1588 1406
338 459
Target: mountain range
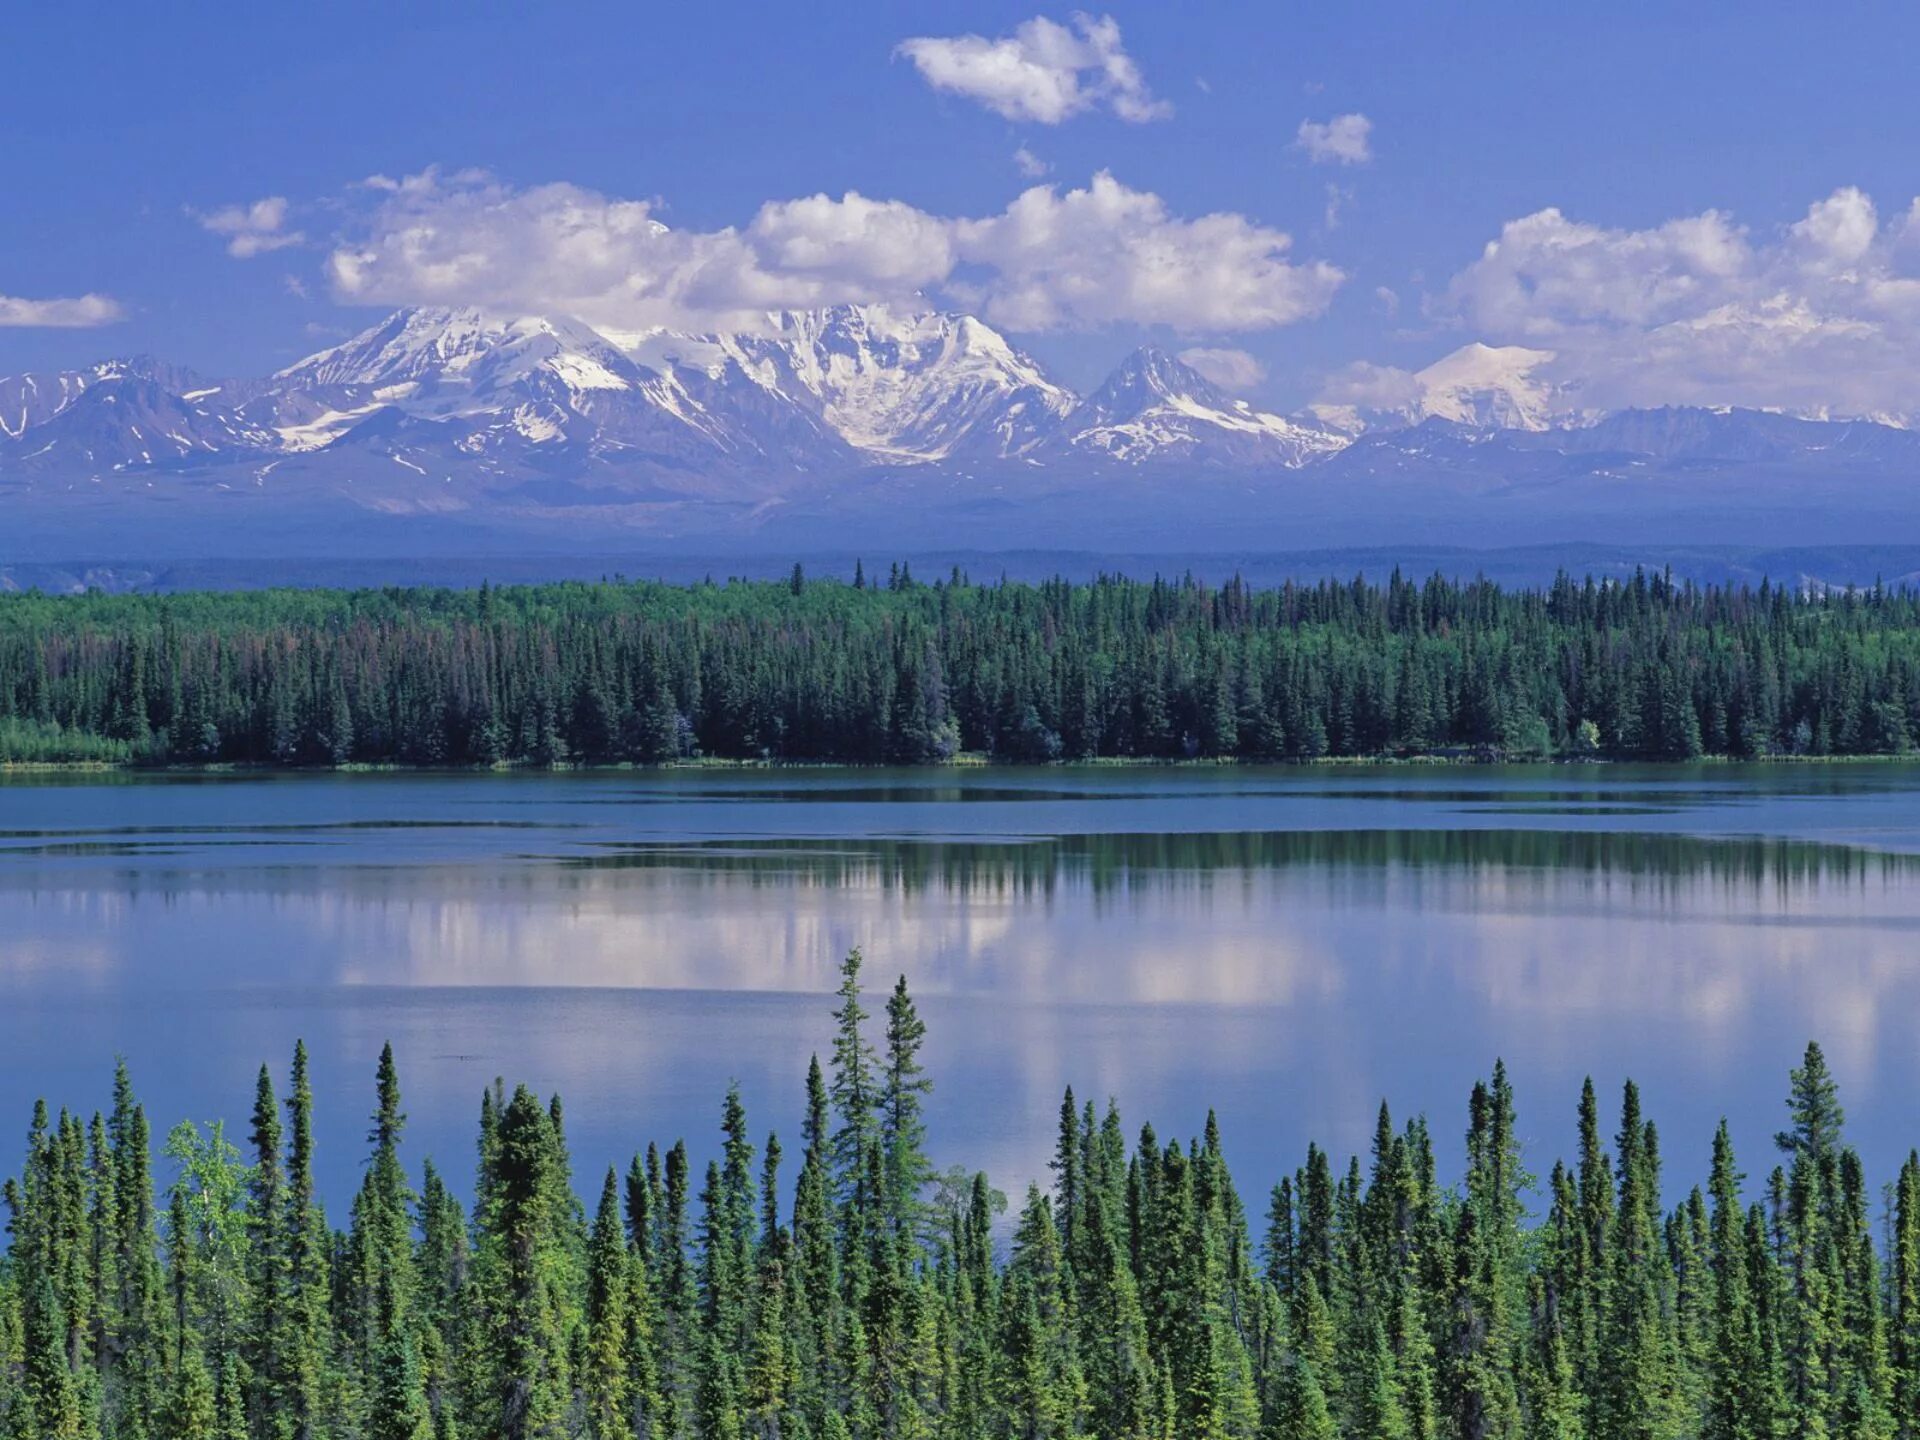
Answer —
857 421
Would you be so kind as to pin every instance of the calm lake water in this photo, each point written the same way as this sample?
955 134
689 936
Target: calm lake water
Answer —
1286 946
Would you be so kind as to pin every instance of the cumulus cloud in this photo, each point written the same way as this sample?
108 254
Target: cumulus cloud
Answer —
1108 254
79 312
853 242
1053 259
1044 72
253 229
1822 316
1343 140
1228 368
1547 273
467 239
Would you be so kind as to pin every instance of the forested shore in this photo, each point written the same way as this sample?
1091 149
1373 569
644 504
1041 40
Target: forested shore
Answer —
904 672
1139 1295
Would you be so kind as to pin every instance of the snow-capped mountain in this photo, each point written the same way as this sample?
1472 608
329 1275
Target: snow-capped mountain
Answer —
1155 407
906 388
28 400
1489 387
457 358
117 415
1483 387
812 392
867 419
845 384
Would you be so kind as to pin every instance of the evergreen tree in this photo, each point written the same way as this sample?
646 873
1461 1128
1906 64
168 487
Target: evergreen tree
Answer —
606 1371
855 1094
523 1266
903 1129
1128 1305
301 1352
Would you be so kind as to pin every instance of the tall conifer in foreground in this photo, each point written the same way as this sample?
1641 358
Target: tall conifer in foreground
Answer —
1125 1302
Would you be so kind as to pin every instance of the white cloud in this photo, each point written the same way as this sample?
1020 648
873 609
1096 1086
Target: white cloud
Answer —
1840 229
1044 72
1108 254
1029 164
453 239
1823 316
1228 368
1343 140
1053 259
1365 386
1546 273
253 229
79 312
853 241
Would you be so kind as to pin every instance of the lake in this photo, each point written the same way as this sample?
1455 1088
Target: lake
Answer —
1286 946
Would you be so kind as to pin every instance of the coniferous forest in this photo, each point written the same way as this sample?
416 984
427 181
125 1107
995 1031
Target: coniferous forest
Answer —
910 673
1139 1294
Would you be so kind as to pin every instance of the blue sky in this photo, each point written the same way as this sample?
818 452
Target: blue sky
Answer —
1684 149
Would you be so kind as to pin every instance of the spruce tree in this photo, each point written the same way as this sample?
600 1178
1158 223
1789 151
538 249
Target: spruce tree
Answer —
302 1350
529 1387
903 1128
854 1094
606 1369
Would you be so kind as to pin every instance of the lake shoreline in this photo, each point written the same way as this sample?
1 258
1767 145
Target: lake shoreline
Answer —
959 763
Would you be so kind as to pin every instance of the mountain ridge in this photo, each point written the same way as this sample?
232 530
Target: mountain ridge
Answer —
866 417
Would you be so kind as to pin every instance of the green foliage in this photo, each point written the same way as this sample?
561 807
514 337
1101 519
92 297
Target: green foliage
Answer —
25 741
1125 1303
906 673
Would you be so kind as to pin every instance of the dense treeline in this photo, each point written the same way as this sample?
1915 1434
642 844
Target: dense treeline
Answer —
912 673
1130 1299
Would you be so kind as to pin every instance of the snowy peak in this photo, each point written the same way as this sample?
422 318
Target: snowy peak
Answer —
1478 387
806 393
1157 407
1490 387
1150 377
408 345
575 356
34 398
465 351
899 387
124 420
846 381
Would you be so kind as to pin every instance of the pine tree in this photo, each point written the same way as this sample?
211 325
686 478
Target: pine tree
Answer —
1903 1289
1637 1395
192 1412
606 1372
903 1129
1130 1305
397 1401
301 1351
1738 1405
1813 1105
1298 1407
52 1400
854 1094
527 1362
267 1270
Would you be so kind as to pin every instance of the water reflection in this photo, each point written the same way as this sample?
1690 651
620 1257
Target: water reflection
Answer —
1286 976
